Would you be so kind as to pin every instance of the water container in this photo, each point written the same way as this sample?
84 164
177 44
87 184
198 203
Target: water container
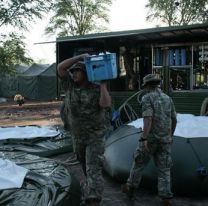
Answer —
101 67
177 57
171 57
183 56
158 57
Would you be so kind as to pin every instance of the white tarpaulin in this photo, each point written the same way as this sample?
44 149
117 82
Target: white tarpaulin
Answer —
11 175
188 125
27 132
2 100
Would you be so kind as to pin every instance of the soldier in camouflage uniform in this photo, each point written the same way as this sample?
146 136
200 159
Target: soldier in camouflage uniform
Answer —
86 103
159 118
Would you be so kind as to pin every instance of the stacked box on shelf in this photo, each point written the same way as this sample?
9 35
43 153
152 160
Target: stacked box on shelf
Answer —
183 56
203 53
177 57
171 57
158 57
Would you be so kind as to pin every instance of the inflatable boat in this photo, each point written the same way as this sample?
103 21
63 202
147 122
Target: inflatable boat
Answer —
189 154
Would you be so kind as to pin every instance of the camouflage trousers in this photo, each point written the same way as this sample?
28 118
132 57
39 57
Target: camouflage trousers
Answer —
89 148
161 153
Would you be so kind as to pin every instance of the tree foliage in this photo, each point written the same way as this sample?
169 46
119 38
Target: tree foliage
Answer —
12 51
78 17
178 12
20 13
17 14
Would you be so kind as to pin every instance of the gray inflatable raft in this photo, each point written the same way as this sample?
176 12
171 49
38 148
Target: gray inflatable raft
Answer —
190 161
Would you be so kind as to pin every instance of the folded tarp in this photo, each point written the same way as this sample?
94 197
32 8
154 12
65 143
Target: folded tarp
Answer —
47 183
27 132
11 175
188 125
2 100
49 141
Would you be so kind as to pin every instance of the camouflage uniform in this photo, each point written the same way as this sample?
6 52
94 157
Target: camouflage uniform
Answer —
160 107
87 123
64 110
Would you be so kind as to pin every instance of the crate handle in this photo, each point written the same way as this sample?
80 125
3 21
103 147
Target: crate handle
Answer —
96 58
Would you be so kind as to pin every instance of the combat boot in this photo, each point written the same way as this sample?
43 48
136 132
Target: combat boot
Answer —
128 190
93 202
166 202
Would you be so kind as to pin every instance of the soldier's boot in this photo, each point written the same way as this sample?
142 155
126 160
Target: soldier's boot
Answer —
93 202
166 202
128 190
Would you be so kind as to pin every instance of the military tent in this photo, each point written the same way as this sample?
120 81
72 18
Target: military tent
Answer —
9 83
36 82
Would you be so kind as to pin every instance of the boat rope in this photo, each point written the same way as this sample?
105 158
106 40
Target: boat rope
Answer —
138 94
128 135
204 108
202 170
128 110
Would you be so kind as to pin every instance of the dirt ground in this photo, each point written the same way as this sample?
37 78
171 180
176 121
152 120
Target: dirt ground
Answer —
48 113
30 113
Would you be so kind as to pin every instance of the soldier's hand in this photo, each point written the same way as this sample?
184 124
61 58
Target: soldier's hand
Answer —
84 55
103 82
144 145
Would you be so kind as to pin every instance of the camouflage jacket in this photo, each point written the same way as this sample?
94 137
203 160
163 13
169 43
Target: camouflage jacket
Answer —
160 107
83 106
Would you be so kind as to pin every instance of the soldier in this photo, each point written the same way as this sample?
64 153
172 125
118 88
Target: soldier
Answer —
86 103
159 123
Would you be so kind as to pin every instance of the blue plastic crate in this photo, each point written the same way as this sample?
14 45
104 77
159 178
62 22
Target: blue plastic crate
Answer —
101 67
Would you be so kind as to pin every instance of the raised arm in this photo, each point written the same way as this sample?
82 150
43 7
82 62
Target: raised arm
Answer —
105 98
67 63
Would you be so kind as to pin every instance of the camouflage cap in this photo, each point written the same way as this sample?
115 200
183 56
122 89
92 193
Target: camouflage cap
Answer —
79 65
151 79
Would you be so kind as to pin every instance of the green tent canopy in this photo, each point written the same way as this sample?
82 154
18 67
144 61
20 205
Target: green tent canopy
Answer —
36 82
9 85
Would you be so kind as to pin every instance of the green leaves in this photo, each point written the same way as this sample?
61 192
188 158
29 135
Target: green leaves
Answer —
20 13
78 17
12 51
180 12
17 14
